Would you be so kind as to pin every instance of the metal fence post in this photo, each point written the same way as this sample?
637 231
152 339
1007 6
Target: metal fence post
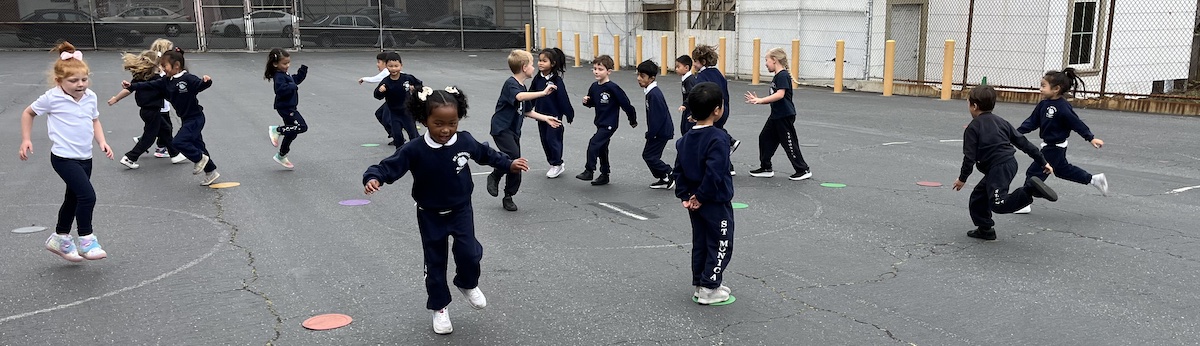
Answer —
1107 48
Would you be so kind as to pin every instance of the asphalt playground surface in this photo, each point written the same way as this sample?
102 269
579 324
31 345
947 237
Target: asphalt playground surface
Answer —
881 261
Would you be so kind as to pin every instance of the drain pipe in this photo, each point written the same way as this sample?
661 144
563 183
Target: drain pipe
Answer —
867 55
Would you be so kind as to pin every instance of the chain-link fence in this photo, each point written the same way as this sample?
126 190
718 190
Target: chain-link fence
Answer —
1120 48
262 24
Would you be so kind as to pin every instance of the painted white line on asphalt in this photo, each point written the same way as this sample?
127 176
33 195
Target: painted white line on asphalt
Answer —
622 211
894 143
1182 189
950 140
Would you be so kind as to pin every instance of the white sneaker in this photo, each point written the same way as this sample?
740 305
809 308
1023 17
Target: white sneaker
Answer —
178 159
1101 183
273 132
555 171
63 245
711 295
441 322
1026 210
90 249
134 165
475 297
200 165
732 173
209 178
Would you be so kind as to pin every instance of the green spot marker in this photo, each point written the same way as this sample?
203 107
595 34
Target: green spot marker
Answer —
726 302
740 205
371 145
833 185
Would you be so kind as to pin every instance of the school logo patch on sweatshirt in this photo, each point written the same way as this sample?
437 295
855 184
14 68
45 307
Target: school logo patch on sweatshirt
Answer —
461 160
182 86
604 96
1050 112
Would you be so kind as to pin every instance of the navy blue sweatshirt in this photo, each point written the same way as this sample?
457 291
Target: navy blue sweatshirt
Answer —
712 74
658 116
397 92
149 98
510 113
287 87
558 104
702 166
441 174
784 107
608 99
181 90
1056 119
989 140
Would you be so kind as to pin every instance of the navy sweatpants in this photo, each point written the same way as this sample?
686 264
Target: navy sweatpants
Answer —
385 118
652 154
598 149
293 125
402 121
1057 157
437 226
685 125
153 130
190 141
80 198
508 143
552 142
776 133
712 243
991 194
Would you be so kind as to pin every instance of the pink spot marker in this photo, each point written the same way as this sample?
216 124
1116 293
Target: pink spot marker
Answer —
929 183
355 202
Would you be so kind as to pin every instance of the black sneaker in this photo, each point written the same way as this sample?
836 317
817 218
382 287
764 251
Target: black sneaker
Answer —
585 175
982 233
493 185
392 143
762 173
664 183
510 206
1038 188
601 180
801 175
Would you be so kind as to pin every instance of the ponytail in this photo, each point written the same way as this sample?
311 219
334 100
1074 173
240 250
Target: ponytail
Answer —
1067 81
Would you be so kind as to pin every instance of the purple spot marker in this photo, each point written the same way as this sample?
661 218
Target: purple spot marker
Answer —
355 202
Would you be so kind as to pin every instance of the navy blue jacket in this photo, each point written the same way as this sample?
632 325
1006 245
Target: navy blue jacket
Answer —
510 113
397 92
784 107
702 166
1056 119
287 86
658 116
712 74
441 175
181 91
608 99
558 104
989 140
149 98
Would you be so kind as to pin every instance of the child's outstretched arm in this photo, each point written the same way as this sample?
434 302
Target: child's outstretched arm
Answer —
1018 140
530 95
485 155
1081 128
387 171
755 100
205 83
630 111
552 121
380 91
970 154
300 74
1031 123
375 79
26 130
120 96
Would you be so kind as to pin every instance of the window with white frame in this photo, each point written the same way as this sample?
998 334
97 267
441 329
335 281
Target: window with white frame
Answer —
1082 43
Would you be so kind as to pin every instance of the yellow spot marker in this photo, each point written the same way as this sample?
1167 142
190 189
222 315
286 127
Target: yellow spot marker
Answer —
224 185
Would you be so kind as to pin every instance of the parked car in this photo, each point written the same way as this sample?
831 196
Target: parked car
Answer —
48 26
265 22
154 20
336 29
393 19
449 30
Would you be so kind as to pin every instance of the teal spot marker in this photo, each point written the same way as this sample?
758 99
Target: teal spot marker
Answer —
726 302
740 205
833 185
370 145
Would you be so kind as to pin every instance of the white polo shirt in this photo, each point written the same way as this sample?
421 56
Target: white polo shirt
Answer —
69 122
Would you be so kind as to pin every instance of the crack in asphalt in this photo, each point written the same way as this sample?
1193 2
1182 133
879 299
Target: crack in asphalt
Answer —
810 306
250 262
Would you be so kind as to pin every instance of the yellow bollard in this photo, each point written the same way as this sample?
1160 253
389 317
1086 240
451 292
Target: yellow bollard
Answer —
795 63
577 51
691 48
721 55
616 52
948 71
889 67
560 42
542 38
666 60
839 66
755 74
638 51
595 46
528 40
